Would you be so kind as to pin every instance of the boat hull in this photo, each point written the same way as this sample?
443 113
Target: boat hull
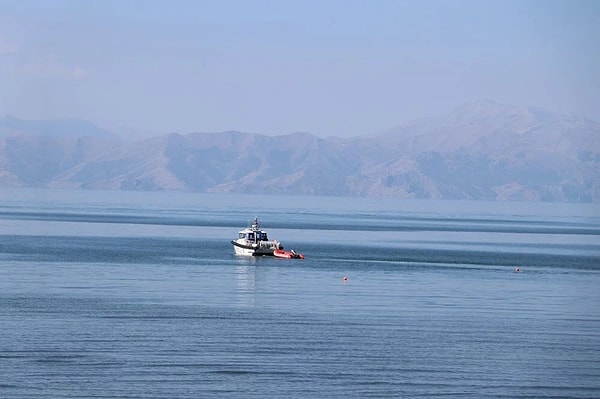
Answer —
252 249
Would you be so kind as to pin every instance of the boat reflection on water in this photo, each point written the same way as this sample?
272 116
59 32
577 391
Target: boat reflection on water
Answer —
245 278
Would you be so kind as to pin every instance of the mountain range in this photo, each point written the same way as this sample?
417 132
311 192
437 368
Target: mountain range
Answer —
481 150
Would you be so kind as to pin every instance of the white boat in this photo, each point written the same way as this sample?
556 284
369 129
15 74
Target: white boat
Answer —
252 241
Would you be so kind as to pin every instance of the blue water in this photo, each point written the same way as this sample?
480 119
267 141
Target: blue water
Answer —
139 295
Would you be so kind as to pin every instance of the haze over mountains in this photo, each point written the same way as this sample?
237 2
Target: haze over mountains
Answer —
482 150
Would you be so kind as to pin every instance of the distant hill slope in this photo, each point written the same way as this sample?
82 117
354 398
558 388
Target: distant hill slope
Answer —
486 150
482 150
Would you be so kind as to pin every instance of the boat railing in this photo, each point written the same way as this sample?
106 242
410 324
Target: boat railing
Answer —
269 244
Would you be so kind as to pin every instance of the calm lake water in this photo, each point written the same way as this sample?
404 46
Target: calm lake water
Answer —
140 295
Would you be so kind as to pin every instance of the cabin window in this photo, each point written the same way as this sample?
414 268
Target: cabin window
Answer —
242 235
251 236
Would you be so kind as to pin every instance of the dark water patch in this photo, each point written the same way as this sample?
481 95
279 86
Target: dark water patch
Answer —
8 386
103 218
128 250
396 258
319 221
14 355
247 372
515 246
60 359
173 251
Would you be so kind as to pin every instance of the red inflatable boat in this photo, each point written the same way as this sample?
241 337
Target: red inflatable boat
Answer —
281 253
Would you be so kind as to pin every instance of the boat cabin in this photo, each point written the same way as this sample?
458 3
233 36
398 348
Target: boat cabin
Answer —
254 236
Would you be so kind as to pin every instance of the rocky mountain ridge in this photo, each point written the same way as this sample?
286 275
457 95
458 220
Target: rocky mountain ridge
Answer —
482 150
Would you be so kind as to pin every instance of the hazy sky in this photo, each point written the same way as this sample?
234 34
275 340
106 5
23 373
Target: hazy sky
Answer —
328 67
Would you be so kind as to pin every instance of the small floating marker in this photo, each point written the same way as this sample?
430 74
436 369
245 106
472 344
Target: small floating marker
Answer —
517 270
345 278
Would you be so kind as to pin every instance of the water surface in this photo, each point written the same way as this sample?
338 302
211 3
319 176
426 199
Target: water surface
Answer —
119 294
